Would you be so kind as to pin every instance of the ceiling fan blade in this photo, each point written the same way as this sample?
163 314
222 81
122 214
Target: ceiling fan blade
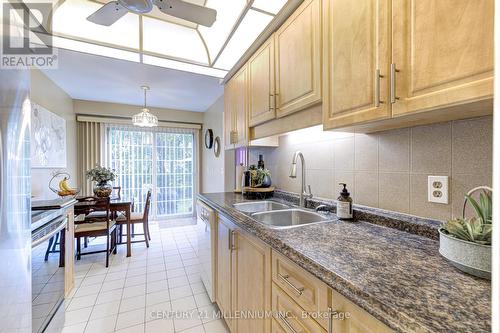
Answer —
108 14
188 11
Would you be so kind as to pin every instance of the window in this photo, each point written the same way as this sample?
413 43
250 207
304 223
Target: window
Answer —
160 159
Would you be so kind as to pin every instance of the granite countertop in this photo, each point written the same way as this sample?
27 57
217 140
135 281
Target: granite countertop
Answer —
398 277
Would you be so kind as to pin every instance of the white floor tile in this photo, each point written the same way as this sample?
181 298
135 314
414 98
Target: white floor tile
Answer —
134 329
102 325
130 318
134 291
82 302
77 316
133 303
157 297
160 326
216 326
78 328
109 296
105 310
183 304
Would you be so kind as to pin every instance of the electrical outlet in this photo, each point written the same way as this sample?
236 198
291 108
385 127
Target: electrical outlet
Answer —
437 189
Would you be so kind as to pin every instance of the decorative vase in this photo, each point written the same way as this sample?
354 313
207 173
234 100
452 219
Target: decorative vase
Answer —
103 189
468 257
266 181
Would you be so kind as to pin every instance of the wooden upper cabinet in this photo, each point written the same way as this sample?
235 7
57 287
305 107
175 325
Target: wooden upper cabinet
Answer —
443 51
261 102
235 110
356 61
298 59
228 115
241 107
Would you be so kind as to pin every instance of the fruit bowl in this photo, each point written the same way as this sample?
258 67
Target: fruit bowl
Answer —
63 189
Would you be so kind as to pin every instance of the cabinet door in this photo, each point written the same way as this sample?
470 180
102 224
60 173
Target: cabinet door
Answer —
443 51
228 115
252 265
356 320
261 84
298 59
240 107
356 61
224 268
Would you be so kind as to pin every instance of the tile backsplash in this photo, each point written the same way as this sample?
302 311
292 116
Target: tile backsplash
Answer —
389 169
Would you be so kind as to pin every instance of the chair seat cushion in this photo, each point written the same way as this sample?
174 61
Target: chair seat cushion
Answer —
135 216
95 226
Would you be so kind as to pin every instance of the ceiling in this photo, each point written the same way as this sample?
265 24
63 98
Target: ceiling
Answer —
158 39
97 78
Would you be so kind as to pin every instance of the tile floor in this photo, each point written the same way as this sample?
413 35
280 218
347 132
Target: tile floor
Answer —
157 290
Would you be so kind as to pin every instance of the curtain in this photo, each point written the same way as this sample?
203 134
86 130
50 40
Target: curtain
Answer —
89 151
163 159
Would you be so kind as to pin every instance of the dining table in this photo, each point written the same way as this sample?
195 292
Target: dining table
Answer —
116 205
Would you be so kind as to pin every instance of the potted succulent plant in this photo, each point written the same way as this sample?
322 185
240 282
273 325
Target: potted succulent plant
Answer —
102 176
466 242
263 178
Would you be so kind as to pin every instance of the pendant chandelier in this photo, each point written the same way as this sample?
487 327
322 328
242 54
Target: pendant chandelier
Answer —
145 118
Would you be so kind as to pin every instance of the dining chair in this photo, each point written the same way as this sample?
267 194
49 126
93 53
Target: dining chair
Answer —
98 226
116 193
135 218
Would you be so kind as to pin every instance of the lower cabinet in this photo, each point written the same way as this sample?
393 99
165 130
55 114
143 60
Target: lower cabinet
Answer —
350 318
261 291
223 294
252 286
243 280
290 316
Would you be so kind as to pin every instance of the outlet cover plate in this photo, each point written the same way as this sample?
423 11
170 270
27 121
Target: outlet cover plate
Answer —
438 189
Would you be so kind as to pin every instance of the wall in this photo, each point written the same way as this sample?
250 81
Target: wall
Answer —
47 94
123 110
389 169
213 167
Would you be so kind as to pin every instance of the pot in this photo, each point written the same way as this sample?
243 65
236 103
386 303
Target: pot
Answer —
469 257
103 190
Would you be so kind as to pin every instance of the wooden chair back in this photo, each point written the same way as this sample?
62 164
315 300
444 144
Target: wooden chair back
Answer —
117 192
147 206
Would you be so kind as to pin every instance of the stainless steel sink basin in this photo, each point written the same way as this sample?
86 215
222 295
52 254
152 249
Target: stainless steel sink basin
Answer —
288 218
259 206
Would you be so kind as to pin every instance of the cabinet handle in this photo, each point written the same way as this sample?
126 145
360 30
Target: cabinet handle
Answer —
231 240
234 137
287 324
377 88
299 291
271 102
394 70
331 312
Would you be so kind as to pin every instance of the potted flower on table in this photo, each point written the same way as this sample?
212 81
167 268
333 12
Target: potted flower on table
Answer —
102 176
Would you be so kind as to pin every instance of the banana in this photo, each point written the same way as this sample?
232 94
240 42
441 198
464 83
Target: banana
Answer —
63 185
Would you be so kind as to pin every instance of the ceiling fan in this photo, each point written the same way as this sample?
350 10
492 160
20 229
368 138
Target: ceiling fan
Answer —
114 10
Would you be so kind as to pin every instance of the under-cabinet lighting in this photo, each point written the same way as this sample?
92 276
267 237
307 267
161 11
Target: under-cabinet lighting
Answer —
314 134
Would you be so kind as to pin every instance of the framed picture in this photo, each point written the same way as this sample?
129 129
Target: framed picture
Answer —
48 138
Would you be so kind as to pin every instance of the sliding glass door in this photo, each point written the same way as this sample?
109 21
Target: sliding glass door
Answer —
161 160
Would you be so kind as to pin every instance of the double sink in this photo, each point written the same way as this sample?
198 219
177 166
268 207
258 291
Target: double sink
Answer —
278 215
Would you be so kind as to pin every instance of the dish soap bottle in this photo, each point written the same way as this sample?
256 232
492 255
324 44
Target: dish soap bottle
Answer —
344 204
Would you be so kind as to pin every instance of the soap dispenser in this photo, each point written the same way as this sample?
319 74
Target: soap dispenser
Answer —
344 204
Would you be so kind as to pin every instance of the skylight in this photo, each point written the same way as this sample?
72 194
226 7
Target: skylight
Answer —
162 40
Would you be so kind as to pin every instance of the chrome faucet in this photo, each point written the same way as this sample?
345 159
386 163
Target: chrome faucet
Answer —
293 174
